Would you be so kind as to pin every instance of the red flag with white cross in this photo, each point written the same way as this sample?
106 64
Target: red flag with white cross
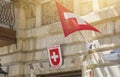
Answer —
55 58
71 22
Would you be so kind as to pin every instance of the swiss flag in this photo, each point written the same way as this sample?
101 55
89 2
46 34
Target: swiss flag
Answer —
71 22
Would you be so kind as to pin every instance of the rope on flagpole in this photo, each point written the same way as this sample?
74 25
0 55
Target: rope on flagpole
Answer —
88 45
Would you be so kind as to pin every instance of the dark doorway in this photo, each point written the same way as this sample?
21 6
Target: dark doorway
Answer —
64 74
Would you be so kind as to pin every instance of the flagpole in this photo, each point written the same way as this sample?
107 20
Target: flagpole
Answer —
84 38
84 64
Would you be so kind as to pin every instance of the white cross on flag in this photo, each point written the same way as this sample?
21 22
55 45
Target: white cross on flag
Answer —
55 58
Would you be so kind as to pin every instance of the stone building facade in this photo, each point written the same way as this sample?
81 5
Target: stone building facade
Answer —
38 26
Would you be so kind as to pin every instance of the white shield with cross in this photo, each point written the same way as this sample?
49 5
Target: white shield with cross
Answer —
55 58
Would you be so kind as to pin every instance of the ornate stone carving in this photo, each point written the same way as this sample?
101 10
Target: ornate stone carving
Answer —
29 10
34 69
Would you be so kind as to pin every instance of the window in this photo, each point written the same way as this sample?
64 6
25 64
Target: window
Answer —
86 7
49 11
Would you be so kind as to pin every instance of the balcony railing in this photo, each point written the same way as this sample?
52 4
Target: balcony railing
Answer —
7 22
7 16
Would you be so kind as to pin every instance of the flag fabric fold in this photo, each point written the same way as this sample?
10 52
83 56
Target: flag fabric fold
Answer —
71 22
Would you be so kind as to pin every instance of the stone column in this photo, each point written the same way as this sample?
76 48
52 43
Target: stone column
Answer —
20 16
20 24
17 69
96 5
38 15
76 7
